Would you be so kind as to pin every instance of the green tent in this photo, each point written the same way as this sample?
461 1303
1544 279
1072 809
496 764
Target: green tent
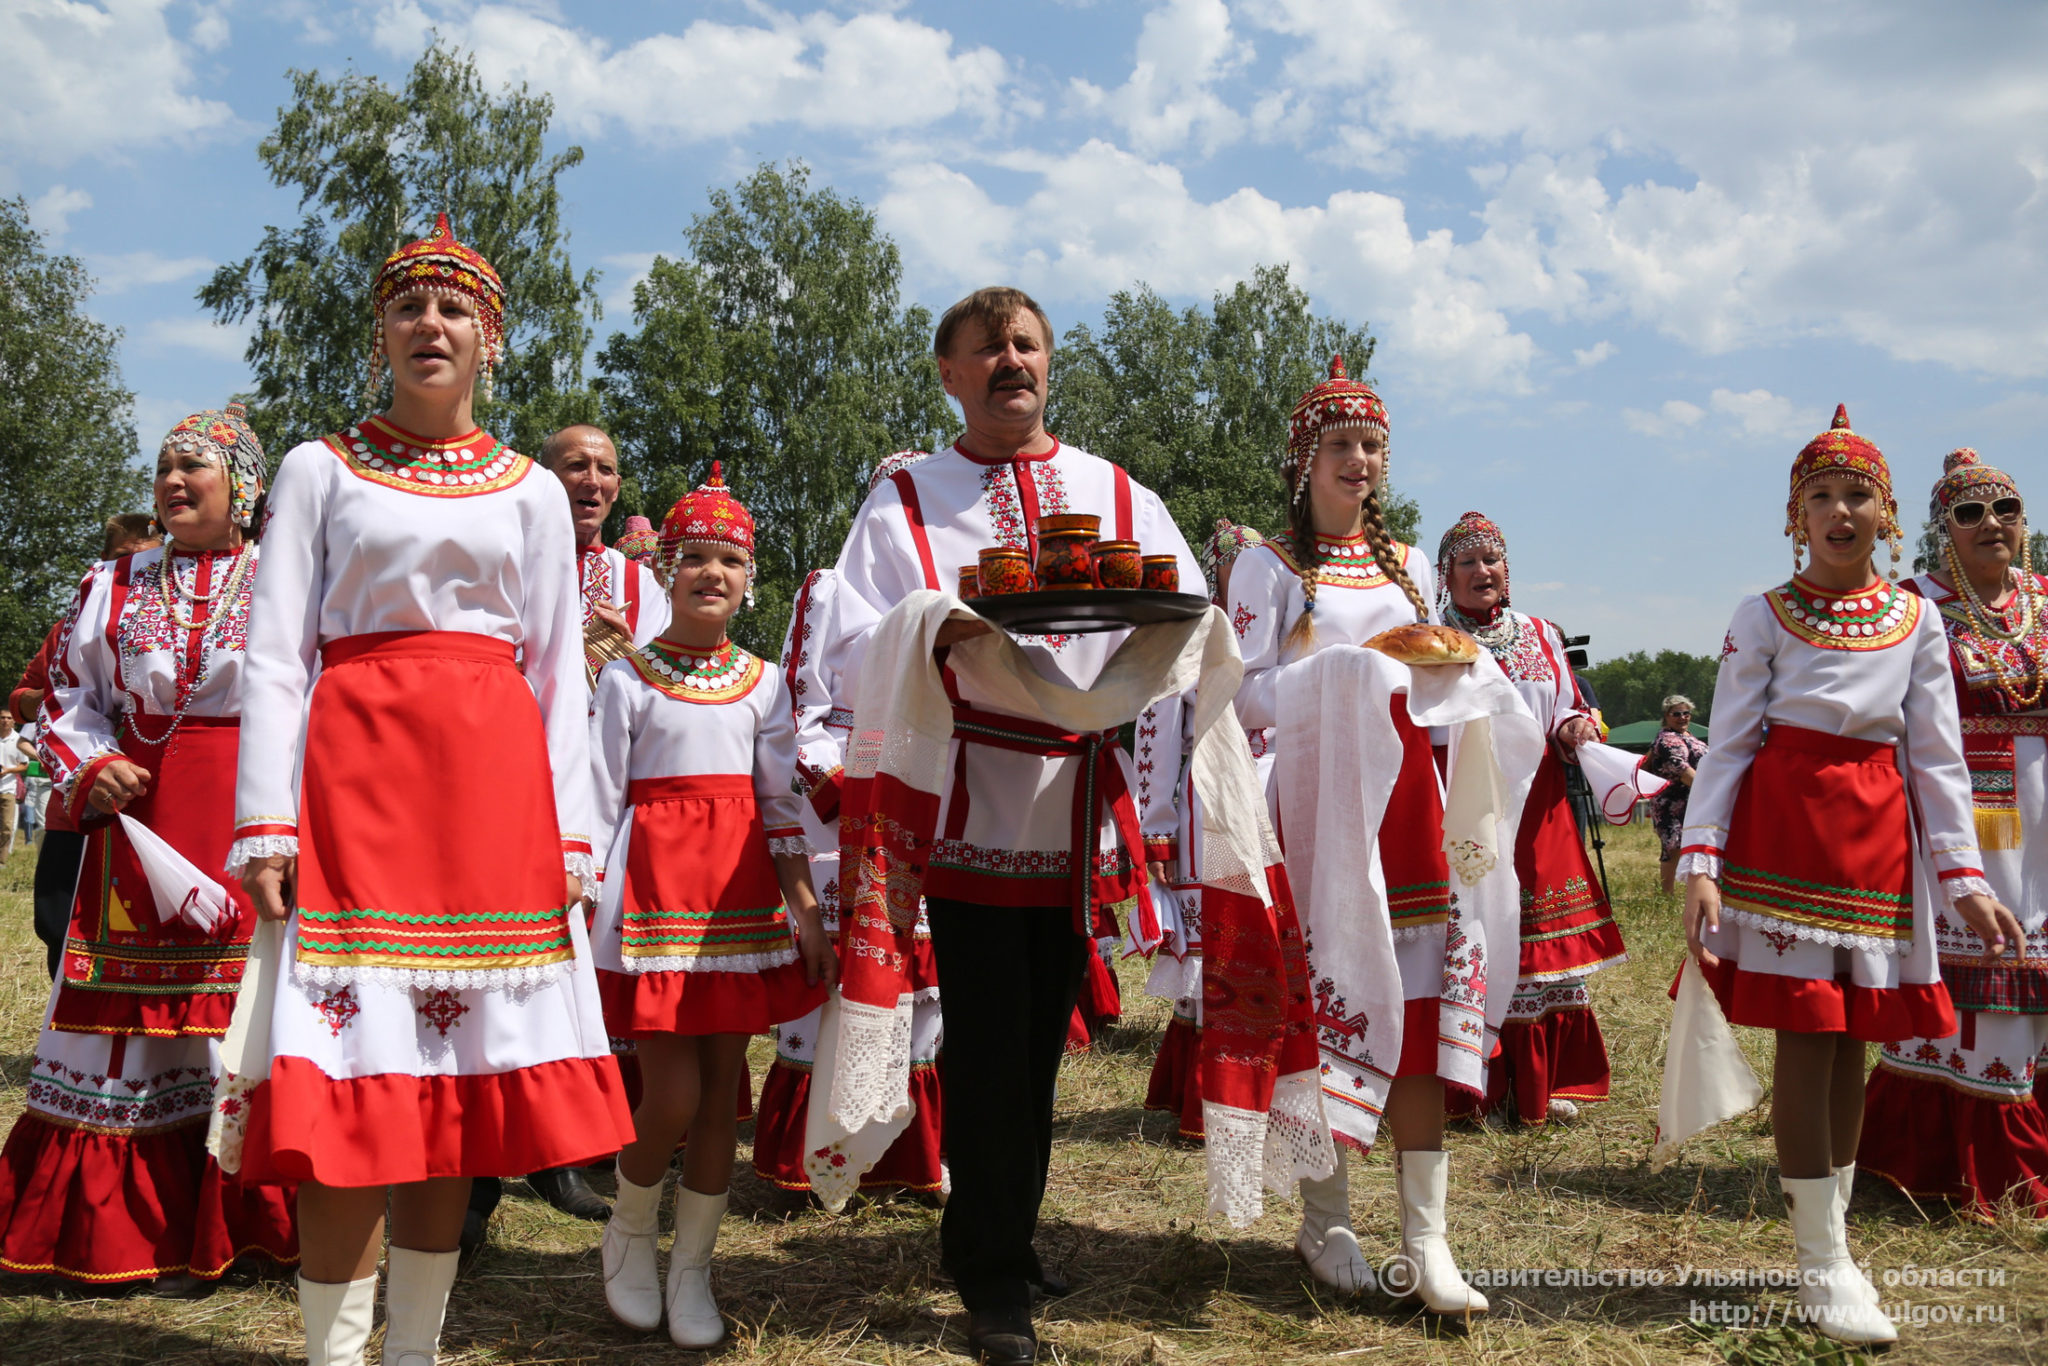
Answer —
1637 735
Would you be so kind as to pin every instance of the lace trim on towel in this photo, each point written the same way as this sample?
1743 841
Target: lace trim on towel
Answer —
1832 938
258 846
871 1078
1250 1153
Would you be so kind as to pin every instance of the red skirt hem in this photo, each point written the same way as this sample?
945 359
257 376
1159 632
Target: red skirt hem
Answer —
395 1127
1561 1056
1938 1141
1806 1005
912 1162
637 1004
1175 1086
103 1208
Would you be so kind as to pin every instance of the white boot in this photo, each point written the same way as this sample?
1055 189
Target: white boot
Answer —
1831 1289
1326 1241
693 1317
632 1280
415 1299
1426 1261
1845 1180
338 1317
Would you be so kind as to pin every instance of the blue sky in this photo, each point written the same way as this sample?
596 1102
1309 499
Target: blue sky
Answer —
1622 260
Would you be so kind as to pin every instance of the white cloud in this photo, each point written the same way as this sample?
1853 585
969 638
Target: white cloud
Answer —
1765 416
225 342
51 210
93 80
1593 355
1184 47
1674 415
1102 218
866 74
628 269
114 274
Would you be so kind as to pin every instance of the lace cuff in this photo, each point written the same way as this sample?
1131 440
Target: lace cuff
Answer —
790 844
1707 863
258 846
584 868
1956 888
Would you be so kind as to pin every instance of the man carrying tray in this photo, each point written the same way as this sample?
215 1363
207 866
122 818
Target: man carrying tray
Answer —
1011 890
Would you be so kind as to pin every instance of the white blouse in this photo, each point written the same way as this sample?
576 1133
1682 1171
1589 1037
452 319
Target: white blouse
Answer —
813 665
123 650
349 554
743 729
1898 694
606 574
1532 656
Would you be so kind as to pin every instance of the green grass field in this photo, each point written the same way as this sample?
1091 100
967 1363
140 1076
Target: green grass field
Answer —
1155 1280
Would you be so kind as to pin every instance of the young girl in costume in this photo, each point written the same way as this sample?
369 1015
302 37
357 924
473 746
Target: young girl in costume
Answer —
414 795
1552 1053
1814 880
1960 1117
1335 576
105 1176
706 875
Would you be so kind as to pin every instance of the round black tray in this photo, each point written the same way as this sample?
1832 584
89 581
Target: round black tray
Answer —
1079 611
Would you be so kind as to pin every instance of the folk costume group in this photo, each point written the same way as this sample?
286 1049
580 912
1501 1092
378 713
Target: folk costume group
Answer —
520 849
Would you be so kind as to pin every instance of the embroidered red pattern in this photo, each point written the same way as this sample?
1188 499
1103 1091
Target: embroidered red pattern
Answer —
443 1010
340 1008
1243 620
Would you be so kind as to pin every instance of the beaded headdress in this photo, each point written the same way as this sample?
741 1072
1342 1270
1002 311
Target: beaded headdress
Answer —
1224 545
223 437
442 265
1964 475
891 463
1838 453
707 515
639 541
1469 532
1336 403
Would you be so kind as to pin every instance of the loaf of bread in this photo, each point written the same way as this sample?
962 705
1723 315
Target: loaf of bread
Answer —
1426 644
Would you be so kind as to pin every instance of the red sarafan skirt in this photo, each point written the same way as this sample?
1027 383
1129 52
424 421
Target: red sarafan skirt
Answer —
701 931
1567 928
125 971
1820 852
428 836
1411 835
1175 1085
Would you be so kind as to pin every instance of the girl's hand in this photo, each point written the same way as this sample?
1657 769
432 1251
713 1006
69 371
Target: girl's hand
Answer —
1575 732
572 889
116 785
1702 914
269 881
814 947
1998 927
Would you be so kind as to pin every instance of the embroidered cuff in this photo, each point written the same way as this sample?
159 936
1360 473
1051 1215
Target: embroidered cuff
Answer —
574 843
247 847
76 788
824 795
1162 848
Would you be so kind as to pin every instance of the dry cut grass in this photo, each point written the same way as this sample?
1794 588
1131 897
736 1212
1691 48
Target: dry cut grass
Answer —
1155 1280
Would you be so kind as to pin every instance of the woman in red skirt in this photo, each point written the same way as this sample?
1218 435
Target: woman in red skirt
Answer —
1552 1054
1814 881
105 1176
414 795
706 876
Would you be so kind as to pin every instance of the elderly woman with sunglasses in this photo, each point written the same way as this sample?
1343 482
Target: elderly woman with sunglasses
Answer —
1674 756
1960 1117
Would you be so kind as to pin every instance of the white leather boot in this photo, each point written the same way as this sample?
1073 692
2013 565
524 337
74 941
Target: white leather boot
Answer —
1423 1178
632 1280
416 1289
693 1317
1845 1181
338 1315
1326 1241
1831 1289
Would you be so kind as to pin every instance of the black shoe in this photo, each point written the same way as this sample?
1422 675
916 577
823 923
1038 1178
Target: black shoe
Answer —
1002 1337
475 1229
566 1189
1052 1285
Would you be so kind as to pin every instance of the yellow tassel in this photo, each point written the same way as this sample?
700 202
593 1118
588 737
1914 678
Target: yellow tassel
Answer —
1997 828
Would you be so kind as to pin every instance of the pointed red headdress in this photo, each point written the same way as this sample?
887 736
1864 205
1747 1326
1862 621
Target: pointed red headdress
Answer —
1336 402
442 265
707 515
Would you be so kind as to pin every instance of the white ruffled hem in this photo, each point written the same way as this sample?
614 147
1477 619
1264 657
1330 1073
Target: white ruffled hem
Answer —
1570 974
1757 920
259 846
739 962
1956 888
329 976
1689 864
791 844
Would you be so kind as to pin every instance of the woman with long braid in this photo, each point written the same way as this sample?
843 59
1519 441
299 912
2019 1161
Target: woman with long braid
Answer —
1336 577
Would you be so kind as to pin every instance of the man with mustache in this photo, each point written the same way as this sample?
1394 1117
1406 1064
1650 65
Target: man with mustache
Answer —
1009 941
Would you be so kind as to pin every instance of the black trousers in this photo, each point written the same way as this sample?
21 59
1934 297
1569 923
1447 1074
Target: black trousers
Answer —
1007 982
57 865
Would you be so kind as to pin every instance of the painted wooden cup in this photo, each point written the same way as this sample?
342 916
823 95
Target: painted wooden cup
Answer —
1118 564
1004 570
970 581
1162 574
1065 558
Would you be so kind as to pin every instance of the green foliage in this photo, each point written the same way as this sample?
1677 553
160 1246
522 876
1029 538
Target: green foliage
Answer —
373 164
1194 401
779 346
67 436
1633 687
